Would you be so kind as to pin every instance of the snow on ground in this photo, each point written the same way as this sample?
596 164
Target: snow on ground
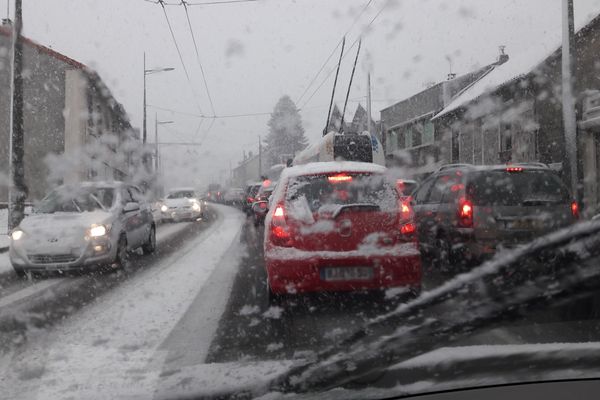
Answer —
5 266
111 348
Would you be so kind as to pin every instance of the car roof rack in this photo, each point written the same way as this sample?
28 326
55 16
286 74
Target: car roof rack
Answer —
452 166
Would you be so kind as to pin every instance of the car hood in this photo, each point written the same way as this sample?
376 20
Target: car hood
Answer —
177 202
63 224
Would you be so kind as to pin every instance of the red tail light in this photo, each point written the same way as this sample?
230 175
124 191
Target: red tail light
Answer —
514 169
406 212
408 229
465 213
575 209
280 231
250 199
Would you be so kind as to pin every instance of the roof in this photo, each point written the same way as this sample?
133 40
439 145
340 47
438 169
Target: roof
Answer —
43 49
515 68
332 167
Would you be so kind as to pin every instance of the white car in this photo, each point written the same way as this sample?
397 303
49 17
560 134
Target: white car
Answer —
82 226
181 204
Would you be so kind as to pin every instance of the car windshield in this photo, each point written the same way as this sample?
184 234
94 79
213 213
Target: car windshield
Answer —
342 189
181 194
522 187
330 199
76 200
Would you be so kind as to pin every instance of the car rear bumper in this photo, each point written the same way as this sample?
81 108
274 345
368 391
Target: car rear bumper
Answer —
400 267
177 215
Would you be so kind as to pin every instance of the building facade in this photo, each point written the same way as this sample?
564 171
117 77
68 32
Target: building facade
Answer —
74 128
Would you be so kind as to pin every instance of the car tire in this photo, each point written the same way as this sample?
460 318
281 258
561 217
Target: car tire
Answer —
150 246
121 261
20 272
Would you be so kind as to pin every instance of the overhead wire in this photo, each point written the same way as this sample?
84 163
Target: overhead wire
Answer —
333 51
212 107
187 75
345 55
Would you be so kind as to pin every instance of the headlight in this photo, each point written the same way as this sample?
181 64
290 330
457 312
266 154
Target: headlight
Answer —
164 208
98 230
196 207
16 234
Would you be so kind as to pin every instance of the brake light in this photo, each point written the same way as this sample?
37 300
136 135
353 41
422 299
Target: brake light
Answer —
280 231
575 209
405 210
514 169
262 205
266 183
279 213
408 229
250 200
339 178
465 213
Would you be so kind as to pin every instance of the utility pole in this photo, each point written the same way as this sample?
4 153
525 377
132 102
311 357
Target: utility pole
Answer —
17 192
144 134
259 158
156 143
369 127
568 101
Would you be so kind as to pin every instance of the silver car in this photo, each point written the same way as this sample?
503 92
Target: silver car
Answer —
82 226
181 204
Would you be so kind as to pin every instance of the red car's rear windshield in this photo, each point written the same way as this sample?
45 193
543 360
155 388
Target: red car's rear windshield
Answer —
342 189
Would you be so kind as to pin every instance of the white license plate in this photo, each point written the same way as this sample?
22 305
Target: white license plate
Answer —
347 273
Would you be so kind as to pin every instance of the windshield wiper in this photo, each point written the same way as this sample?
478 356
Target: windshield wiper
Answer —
339 208
508 287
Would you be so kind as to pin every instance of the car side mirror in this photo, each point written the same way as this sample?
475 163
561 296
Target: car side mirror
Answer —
130 207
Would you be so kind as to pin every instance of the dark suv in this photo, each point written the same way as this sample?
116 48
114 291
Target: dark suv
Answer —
464 213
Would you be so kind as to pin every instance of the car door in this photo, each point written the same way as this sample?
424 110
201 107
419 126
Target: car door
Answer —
146 217
131 220
422 212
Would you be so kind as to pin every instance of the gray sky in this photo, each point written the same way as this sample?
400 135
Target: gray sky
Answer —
253 53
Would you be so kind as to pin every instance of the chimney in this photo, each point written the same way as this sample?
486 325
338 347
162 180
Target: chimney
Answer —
503 57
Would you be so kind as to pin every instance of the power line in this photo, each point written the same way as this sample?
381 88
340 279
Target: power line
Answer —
212 107
333 51
207 3
256 114
187 75
348 52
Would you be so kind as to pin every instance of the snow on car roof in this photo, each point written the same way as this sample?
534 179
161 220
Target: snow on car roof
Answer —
332 167
181 189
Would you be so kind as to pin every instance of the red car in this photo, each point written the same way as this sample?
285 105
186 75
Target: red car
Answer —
339 226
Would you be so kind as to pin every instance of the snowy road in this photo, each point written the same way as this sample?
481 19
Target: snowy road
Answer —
115 341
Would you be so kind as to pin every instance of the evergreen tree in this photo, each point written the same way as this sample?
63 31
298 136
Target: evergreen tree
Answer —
286 134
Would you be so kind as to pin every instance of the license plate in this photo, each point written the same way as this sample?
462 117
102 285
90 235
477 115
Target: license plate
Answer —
347 273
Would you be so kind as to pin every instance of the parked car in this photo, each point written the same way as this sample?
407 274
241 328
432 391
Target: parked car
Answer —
83 226
251 191
260 206
339 226
466 212
181 204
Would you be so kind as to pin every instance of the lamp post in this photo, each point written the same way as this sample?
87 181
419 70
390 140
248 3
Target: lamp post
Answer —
156 124
148 72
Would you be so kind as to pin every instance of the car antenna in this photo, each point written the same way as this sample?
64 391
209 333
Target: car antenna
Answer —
350 85
334 85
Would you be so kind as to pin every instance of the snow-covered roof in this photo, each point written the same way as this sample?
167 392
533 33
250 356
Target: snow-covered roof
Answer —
516 67
332 167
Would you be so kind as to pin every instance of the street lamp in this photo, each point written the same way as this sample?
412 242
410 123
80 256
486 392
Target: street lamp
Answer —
156 124
148 72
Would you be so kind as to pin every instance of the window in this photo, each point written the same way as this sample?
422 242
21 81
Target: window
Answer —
454 157
423 191
506 137
428 132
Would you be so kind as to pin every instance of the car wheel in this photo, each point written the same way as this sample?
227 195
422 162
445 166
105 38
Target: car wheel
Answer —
150 246
20 272
121 261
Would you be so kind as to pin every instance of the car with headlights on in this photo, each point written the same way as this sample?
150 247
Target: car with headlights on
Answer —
82 226
181 204
339 226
